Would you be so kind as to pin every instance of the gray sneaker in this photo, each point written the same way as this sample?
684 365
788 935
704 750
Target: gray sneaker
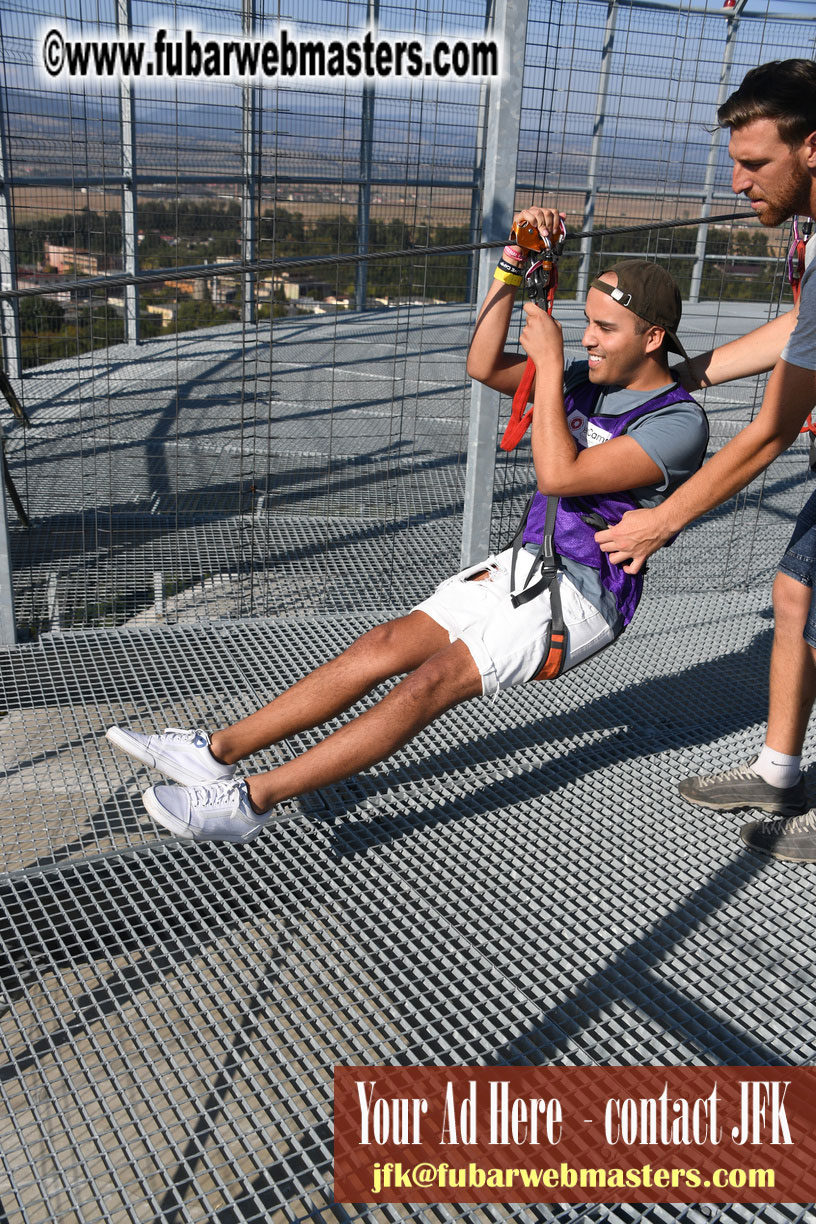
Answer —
741 787
183 756
792 838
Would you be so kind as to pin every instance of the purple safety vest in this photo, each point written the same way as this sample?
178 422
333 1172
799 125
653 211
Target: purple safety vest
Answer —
574 536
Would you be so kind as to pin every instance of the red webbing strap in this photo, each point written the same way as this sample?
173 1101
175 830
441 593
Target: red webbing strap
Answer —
556 657
520 417
798 273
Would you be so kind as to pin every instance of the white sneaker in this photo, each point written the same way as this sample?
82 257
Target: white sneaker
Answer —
183 756
219 812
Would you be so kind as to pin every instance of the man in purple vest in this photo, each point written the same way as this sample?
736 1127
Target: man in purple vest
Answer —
609 433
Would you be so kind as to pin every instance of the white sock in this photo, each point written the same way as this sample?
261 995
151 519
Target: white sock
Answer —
776 768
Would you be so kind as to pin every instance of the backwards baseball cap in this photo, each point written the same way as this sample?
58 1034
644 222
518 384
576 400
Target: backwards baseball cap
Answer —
649 292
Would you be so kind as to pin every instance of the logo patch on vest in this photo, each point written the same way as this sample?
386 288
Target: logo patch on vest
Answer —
595 435
586 432
578 427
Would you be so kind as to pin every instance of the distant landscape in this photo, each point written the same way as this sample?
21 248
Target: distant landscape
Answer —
181 234
421 194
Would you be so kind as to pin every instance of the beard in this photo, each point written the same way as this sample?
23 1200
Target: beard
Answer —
790 196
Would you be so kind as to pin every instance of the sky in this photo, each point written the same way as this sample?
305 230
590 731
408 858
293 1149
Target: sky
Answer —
663 83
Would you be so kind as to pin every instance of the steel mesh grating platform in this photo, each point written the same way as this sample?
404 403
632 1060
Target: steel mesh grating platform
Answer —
521 884
516 886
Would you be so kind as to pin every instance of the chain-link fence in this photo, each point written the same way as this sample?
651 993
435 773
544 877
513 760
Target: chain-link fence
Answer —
287 436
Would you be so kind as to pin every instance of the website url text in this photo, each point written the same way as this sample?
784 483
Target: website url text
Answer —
187 55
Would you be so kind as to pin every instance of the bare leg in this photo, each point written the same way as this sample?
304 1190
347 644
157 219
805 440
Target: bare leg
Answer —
793 668
385 651
448 677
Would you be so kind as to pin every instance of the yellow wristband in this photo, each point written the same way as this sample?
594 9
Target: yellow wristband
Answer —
509 278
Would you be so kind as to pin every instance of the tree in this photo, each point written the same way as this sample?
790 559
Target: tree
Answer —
40 315
101 324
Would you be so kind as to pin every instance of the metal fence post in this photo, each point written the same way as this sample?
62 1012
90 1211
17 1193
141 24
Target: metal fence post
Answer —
9 312
251 181
711 164
8 631
501 148
588 221
364 197
364 187
471 287
10 320
130 242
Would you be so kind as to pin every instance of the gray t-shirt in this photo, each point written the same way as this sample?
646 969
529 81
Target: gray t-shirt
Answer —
675 438
801 347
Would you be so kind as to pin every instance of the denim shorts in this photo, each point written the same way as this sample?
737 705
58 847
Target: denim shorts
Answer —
799 561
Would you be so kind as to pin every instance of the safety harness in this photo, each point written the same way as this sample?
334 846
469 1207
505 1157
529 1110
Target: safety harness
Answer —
796 270
796 255
564 527
555 650
541 281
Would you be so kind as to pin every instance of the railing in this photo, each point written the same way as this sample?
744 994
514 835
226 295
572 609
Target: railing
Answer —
294 466
156 473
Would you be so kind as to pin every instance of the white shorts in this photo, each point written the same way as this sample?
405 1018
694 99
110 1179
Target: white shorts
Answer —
507 643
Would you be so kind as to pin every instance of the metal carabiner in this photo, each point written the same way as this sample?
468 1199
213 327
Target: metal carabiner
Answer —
541 280
541 277
540 271
538 280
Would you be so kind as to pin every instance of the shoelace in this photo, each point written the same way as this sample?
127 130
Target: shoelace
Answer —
216 792
740 773
806 823
186 737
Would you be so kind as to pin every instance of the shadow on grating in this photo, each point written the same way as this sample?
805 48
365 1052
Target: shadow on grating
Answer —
193 1007
520 884
99 571
224 477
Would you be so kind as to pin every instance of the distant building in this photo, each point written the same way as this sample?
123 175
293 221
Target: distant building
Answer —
168 313
195 288
735 268
65 259
223 289
294 290
394 303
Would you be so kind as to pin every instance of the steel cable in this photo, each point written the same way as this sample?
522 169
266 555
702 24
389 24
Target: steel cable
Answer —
209 271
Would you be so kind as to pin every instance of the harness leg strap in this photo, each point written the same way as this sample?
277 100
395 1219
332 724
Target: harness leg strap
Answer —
556 649
556 655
